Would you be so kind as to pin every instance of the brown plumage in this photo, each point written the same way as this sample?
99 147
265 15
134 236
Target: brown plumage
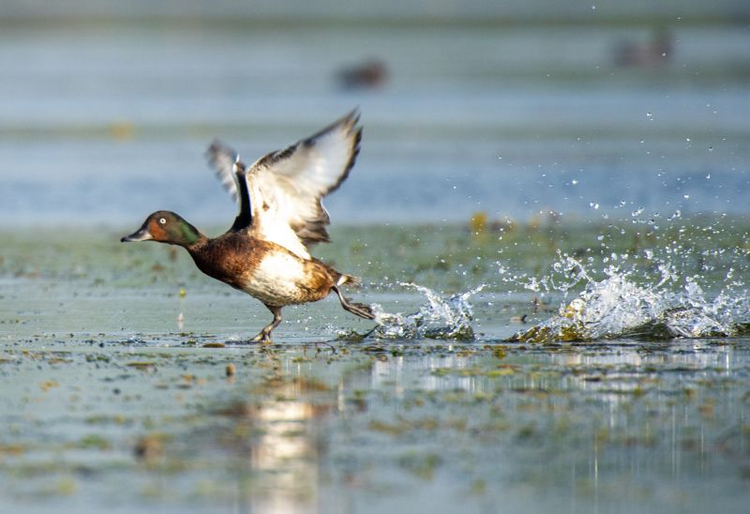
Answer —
234 259
265 252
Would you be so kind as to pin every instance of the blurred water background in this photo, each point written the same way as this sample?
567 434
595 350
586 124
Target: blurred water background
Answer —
512 108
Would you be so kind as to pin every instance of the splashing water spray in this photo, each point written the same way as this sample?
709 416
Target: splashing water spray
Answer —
439 318
652 293
631 302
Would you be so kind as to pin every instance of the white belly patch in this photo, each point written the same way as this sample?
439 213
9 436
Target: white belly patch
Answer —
275 281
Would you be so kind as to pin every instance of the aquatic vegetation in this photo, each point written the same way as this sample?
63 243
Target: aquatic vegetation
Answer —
174 419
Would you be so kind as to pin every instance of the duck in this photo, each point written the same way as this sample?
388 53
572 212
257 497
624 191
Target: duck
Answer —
369 74
266 251
653 54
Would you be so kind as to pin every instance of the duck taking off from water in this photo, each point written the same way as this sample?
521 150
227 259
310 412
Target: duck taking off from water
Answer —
265 253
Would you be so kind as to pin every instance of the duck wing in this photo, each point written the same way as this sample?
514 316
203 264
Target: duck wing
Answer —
285 188
230 171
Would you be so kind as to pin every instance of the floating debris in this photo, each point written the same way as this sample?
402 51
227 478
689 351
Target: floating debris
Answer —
149 447
478 223
148 367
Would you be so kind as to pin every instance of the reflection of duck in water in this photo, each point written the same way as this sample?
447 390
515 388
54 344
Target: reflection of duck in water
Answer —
274 447
656 52
365 75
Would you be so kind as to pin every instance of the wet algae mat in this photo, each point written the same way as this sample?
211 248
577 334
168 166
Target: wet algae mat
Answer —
126 386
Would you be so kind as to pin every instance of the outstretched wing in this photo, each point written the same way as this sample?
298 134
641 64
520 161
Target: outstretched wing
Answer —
287 186
280 195
230 171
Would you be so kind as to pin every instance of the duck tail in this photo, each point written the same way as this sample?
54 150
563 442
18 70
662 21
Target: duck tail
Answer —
348 280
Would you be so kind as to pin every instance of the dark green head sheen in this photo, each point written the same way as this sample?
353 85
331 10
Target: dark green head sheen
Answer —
166 227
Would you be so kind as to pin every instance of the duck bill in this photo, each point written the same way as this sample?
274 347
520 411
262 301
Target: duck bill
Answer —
142 234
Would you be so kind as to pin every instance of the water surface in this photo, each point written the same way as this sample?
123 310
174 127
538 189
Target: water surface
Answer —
117 393
556 244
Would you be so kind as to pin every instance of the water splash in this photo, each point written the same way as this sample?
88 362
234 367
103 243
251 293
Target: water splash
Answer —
619 307
439 318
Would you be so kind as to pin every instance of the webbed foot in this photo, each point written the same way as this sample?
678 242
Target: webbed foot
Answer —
360 309
263 337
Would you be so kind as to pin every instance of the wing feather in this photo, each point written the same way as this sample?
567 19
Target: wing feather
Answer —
222 159
230 171
285 188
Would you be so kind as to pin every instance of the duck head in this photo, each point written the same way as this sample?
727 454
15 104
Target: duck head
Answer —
165 227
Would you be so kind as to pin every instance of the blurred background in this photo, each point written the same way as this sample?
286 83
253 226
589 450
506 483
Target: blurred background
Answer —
515 109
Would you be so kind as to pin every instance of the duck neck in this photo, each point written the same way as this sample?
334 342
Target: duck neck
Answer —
189 236
197 244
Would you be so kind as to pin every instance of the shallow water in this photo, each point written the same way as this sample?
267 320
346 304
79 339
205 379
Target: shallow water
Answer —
116 394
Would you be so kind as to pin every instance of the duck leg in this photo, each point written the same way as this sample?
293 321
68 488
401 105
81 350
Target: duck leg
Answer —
265 335
360 309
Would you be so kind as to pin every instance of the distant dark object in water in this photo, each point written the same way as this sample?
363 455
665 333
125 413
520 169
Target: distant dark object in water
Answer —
149 447
365 75
657 52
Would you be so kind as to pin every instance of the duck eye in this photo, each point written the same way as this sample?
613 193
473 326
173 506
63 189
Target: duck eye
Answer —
163 221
